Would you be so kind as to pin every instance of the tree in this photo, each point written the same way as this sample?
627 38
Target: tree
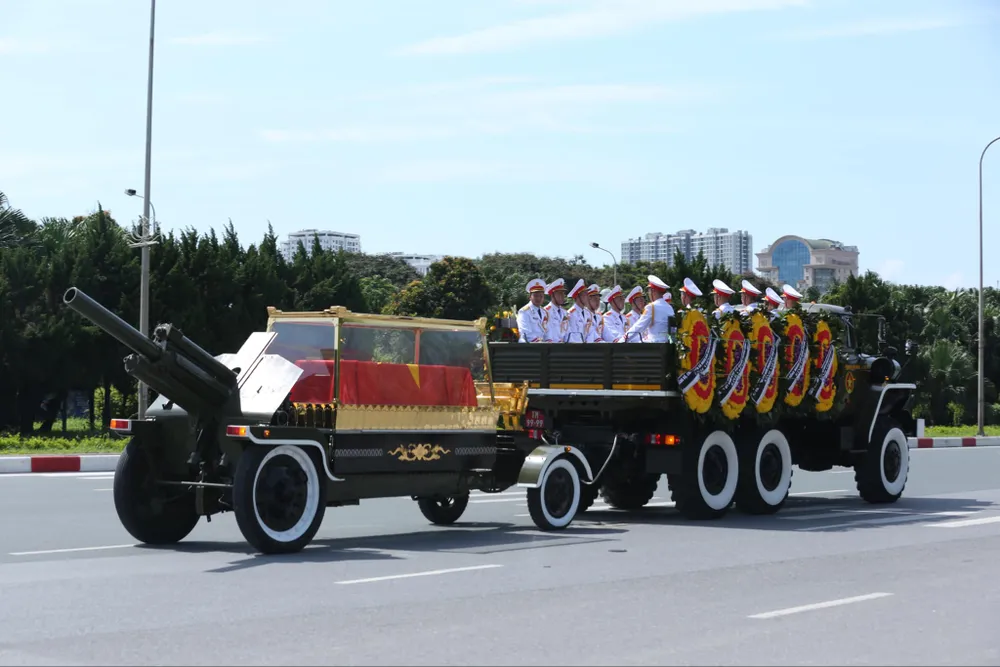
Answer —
454 288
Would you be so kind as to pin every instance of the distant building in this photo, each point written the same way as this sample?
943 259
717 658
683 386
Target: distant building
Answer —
328 240
421 263
804 263
734 250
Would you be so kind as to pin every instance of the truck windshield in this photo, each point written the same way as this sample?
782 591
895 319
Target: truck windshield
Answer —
302 341
422 347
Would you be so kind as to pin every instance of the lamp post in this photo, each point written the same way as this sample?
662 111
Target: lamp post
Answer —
982 308
144 279
593 244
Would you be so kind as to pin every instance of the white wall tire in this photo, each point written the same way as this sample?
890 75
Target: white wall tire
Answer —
279 498
765 473
554 504
882 473
707 486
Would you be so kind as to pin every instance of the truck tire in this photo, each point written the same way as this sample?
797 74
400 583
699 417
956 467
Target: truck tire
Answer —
881 473
630 493
710 471
443 512
151 513
555 502
588 494
279 498
765 473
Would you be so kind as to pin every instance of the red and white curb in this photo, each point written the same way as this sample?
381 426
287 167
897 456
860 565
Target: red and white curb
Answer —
76 463
941 443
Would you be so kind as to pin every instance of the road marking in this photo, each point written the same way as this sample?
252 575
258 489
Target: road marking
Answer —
428 573
902 518
66 551
816 493
499 500
820 605
962 523
61 475
103 489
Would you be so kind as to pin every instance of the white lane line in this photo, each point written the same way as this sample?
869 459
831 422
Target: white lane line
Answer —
61 475
66 551
499 500
816 493
962 523
428 573
103 489
819 605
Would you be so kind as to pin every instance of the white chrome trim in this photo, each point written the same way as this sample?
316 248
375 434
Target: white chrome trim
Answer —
610 393
878 406
552 452
314 443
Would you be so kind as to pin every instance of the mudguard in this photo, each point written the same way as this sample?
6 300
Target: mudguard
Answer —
906 387
538 461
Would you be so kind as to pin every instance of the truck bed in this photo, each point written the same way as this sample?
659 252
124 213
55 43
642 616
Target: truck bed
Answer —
609 366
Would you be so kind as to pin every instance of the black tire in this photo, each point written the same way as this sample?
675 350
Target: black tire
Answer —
710 472
287 524
443 512
630 493
151 513
882 472
765 472
555 502
588 494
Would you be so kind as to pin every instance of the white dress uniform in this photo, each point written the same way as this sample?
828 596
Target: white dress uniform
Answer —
790 294
773 297
531 319
725 290
753 306
558 318
633 316
655 320
597 324
580 322
613 321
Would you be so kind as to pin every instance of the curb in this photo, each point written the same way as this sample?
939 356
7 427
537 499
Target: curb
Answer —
941 443
74 463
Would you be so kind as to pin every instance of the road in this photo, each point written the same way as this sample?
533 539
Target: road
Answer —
830 580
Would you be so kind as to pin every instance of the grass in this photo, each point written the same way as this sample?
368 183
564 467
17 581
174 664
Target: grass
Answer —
959 431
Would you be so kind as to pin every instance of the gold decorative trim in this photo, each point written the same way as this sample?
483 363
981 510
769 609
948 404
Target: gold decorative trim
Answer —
421 452
415 418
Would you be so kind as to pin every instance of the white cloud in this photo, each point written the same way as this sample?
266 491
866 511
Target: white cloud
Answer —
877 27
603 18
218 39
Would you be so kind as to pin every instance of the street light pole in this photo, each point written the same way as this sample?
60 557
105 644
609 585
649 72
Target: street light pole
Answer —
982 307
593 244
144 280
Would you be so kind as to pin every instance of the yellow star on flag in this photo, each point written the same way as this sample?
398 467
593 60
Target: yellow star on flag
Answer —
415 372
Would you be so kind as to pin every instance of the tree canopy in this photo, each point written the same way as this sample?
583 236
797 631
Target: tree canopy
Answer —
217 291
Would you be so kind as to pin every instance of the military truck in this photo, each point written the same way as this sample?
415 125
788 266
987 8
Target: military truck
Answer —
324 409
724 409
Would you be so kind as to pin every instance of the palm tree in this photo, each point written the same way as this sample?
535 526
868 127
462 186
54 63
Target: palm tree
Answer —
15 227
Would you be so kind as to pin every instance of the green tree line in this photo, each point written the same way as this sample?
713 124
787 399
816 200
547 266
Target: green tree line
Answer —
217 291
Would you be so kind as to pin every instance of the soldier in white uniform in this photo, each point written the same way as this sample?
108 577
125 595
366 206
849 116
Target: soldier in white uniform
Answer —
579 317
558 324
532 318
773 302
657 316
722 292
791 295
689 292
613 327
637 300
749 296
594 294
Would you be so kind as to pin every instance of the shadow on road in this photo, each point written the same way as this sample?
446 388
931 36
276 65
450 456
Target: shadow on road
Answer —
478 538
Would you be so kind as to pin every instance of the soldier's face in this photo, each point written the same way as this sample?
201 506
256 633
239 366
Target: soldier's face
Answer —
559 297
618 302
686 299
746 298
639 303
720 298
595 301
537 298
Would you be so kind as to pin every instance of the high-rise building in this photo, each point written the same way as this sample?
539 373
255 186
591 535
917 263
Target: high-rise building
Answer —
734 250
328 240
422 263
804 263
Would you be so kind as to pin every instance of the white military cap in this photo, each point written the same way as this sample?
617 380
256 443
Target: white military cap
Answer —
722 288
691 288
636 291
536 285
579 287
612 293
556 284
594 289
791 292
772 296
656 283
750 289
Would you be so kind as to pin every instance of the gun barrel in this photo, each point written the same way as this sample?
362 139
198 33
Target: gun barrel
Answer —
111 323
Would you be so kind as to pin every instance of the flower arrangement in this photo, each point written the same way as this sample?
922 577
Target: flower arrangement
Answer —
504 327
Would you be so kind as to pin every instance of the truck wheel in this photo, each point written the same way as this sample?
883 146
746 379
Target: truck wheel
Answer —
705 488
630 493
588 494
279 498
443 512
554 503
765 473
882 472
151 513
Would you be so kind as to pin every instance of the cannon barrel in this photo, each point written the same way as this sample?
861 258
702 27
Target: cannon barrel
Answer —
115 326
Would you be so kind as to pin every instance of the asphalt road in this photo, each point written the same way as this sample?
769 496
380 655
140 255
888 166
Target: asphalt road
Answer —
829 580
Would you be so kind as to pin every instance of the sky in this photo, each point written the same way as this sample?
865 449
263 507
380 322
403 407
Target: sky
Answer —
467 127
